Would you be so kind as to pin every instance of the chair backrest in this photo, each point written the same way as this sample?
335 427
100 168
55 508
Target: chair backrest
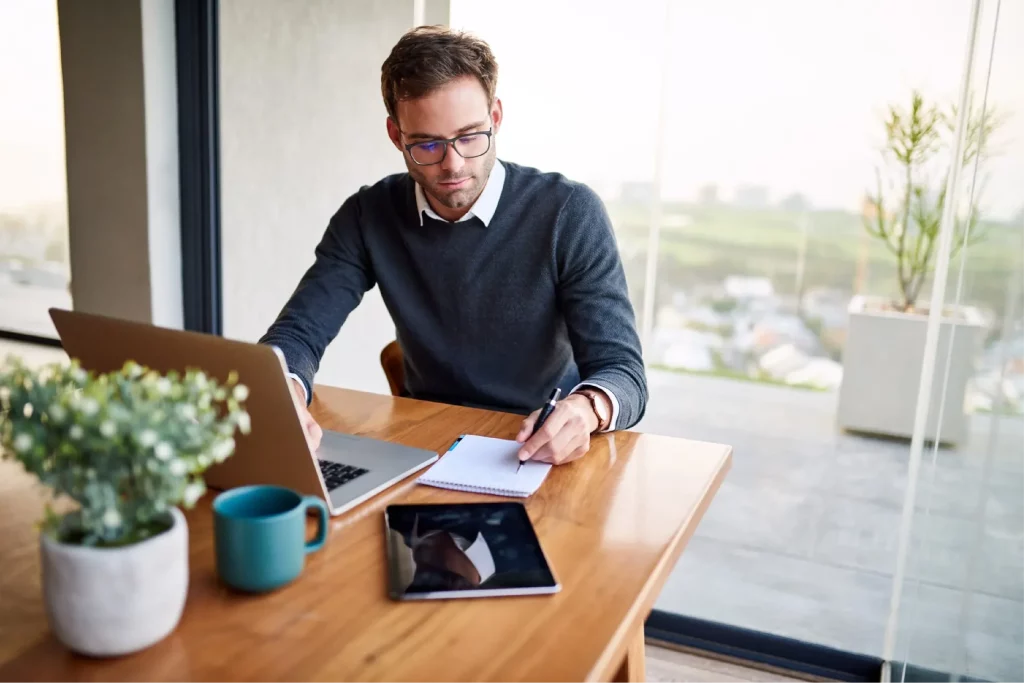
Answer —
393 362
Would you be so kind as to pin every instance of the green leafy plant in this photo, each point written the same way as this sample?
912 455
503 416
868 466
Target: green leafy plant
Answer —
905 212
125 445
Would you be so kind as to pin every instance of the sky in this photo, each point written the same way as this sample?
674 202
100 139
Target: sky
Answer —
786 94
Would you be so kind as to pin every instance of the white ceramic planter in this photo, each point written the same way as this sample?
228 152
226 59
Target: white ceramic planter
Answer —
113 601
882 361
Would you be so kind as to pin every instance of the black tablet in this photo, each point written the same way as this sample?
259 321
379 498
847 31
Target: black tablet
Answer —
466 550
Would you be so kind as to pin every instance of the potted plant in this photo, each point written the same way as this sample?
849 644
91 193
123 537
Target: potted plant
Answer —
882 356
119 451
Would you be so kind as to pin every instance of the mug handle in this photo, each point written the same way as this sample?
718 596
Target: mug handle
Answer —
321 530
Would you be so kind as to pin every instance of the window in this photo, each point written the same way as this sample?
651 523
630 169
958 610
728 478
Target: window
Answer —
735 146
34 263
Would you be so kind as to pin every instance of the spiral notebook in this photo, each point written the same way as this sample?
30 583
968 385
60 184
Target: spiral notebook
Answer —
482 464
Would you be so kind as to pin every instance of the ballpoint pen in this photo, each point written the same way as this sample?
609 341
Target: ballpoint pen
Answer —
545 413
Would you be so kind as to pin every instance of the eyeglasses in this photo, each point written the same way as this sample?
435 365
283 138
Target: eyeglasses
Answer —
469 146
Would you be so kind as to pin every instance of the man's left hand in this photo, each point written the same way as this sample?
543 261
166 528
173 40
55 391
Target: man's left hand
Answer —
564 436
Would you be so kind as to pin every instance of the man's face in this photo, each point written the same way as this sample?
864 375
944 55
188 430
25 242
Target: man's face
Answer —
458 108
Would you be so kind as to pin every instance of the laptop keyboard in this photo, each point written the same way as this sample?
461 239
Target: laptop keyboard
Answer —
336 474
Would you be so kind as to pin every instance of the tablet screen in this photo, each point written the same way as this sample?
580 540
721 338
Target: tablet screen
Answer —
464 550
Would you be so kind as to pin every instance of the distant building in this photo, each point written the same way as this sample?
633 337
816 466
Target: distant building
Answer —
637 192
789 364
708 195
748 287
775 329
45 274
829 306
707 291
705 316
669 317
688 349
675 220
993 392
823 373
751 196
796 202
23 245
686 357
782 360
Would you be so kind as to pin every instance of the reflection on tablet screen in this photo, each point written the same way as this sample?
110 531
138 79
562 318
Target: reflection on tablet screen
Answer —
466 550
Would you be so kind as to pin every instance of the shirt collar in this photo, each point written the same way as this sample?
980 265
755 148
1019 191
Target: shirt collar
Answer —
484 206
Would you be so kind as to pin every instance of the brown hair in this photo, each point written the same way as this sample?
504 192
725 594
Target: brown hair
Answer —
428 57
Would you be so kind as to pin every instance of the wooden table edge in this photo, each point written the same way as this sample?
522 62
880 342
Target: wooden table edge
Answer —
623 645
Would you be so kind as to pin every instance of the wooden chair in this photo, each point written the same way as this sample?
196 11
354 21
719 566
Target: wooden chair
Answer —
392 360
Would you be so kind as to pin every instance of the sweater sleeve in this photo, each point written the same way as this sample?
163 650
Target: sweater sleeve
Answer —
325 296
594 299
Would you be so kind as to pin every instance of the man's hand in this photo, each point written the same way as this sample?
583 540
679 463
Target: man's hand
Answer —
309 425
564 437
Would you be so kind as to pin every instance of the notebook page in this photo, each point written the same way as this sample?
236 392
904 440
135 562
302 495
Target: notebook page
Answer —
485 464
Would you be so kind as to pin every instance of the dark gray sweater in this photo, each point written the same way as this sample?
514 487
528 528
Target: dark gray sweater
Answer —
492 316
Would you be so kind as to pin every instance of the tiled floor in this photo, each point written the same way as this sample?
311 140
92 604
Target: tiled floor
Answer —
665 665
802 538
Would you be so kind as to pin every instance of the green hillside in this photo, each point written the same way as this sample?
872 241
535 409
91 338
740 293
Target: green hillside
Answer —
703 244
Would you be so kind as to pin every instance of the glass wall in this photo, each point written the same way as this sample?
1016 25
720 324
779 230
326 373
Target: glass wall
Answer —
740 148
744 143
34 264
960 602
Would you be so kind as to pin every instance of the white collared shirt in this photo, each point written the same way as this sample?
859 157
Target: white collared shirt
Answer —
484 206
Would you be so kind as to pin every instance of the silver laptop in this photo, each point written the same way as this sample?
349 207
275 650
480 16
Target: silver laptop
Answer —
346 469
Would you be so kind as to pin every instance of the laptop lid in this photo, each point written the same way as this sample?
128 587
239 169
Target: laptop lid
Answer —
274 452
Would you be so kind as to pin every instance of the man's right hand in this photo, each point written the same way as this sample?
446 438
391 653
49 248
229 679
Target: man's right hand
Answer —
309 425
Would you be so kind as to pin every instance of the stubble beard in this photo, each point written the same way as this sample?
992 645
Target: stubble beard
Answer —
463 196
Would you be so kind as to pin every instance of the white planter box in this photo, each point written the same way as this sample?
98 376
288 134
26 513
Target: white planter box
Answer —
112 601
882 362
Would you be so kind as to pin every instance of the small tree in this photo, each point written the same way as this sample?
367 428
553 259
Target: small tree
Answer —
906 209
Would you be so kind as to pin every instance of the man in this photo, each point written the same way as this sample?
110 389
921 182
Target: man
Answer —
503 282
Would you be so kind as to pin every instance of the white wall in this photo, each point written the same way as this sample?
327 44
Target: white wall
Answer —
121 129
302 128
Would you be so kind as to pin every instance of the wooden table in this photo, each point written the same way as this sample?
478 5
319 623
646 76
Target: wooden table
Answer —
612 525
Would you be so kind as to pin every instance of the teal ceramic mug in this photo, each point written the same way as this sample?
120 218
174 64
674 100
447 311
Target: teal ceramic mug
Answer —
260 536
